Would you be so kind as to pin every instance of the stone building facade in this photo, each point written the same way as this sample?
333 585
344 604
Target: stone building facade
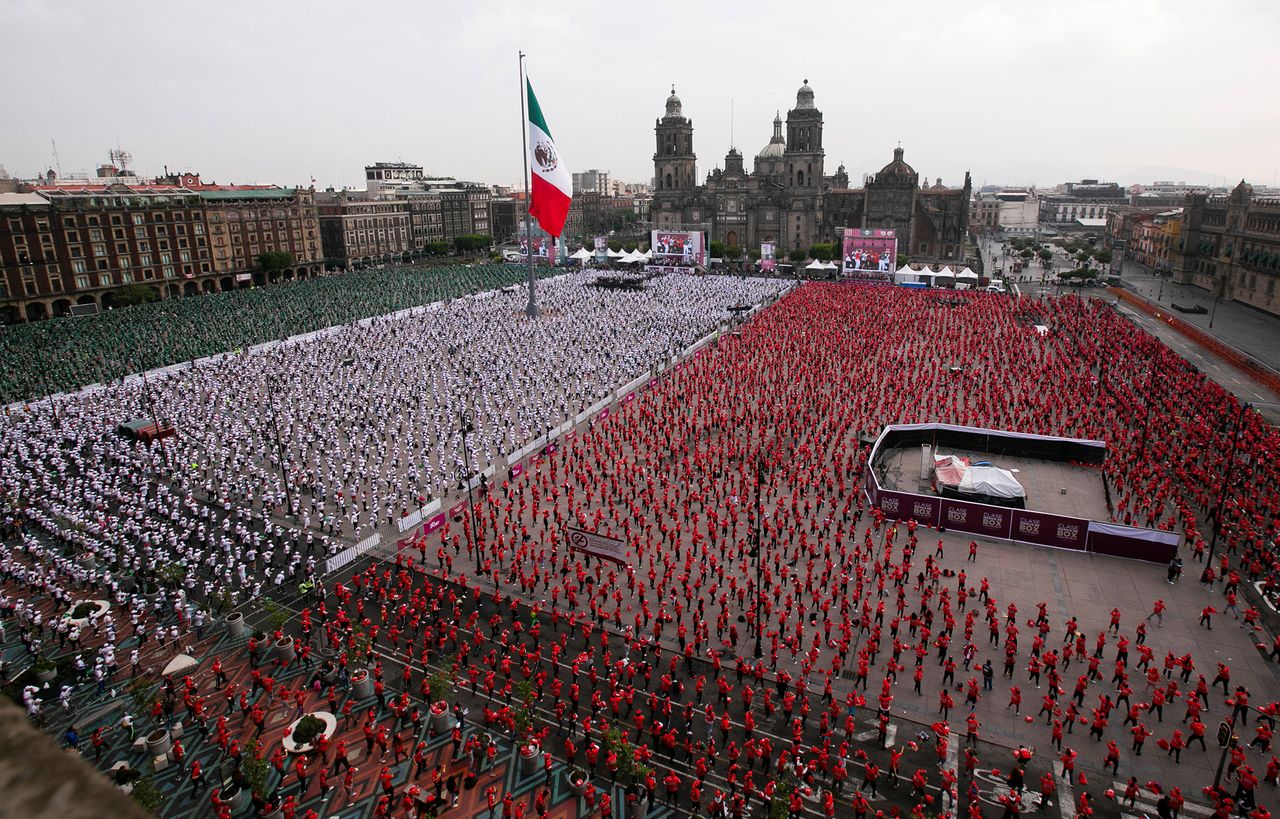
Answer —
1230 246
788 198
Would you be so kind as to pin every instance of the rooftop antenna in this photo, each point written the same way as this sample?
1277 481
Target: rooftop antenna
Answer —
731 143
120 158
57 163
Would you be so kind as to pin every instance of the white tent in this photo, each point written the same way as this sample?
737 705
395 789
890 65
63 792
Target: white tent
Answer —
829 266
631 258
648 254
991 481
582 255
906 270
967 275
815 265
613 254
947 271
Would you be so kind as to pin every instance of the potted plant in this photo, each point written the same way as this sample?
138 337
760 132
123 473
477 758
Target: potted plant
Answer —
83 609
255 771
126 581
578 781
149 797
441 687
159 742
285 650
236 626
530 756
45 669
361 684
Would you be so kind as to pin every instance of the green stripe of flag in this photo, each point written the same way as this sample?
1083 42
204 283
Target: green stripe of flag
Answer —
535 110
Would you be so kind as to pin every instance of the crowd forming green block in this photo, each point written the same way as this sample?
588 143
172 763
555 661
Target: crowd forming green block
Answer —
64 354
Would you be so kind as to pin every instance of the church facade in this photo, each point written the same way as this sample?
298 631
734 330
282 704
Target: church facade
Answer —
788 198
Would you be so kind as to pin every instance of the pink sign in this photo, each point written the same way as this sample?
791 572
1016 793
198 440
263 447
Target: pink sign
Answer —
457 509
517 470
433 523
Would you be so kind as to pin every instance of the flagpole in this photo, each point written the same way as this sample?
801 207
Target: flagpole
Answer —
532 308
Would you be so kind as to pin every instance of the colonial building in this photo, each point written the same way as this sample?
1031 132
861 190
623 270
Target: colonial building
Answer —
357 228
245 223
1230 246
788 198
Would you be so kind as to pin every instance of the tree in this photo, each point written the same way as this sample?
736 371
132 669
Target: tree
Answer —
1026 254
132 294
823 253
471 242
903 260
275 261
717 249
796 255
733 252
1046 256
436 248
1103 256
754 253
1083 255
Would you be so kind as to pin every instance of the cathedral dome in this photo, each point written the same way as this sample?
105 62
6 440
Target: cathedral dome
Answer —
804 97
778 144
897 168
673 104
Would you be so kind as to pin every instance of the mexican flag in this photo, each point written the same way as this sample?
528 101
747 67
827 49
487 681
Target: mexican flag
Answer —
552 186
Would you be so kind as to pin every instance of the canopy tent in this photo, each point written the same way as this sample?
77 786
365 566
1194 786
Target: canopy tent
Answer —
582 255
906 269
815 265
955 477
949 469
648 254
613 254
947 271
829 266
967 275
632 258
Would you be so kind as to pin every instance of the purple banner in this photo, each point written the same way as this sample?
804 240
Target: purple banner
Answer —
976 518
871 487
1049 530
517 470
604 413
907 506
457 509
433 523
1129 541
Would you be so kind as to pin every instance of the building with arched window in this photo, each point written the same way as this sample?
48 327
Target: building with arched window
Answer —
789 199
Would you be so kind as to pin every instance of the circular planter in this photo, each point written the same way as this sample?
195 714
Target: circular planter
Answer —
236 626
284 650
361 684
578 783
330 727
637 809
126 582
87 561
441 717
530 757
236 798
100 607
46 674
159 742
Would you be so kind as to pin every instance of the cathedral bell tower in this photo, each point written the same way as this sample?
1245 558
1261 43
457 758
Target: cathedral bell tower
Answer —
804 151
674 162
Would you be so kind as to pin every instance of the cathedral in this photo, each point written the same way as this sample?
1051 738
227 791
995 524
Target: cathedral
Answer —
788 198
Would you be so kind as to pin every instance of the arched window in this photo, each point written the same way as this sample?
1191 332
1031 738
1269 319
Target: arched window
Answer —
800 177
668 180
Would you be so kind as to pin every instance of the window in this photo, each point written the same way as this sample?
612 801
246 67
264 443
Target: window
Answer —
123 263
73 236
82 282
140 232
95 235
137 218
78 266
126 277
100 249
144 259
168 271
144 247
68 221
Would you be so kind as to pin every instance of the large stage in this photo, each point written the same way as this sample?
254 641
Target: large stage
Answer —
893 487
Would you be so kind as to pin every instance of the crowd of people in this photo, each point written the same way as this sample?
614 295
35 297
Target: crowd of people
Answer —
64 354
732 484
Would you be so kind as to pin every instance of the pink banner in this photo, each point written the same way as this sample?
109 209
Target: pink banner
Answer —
517 470
433 523
455 511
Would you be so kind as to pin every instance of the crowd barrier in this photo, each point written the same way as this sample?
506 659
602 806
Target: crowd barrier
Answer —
1252 367
350 553
1004 523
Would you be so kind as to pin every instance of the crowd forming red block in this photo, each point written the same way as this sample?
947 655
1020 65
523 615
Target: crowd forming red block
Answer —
779 409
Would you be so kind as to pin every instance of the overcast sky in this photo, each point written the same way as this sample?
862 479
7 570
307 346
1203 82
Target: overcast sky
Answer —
1017 91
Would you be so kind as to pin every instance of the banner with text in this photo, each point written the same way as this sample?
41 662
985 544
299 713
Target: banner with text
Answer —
768 256
601 546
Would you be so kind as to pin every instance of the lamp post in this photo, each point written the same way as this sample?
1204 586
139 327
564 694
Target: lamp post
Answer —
473 540
44 380
275 430
1226 483
151 406
1216 301
759 561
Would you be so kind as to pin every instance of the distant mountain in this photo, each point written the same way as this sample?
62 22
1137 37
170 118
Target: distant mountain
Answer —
1165 173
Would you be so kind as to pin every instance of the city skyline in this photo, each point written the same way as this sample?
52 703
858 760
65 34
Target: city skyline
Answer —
316 90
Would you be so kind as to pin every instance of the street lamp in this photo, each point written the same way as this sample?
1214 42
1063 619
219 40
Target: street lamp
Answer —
275 429
1216 301
473 541
759 555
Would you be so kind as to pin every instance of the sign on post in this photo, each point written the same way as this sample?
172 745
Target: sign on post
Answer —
601 546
